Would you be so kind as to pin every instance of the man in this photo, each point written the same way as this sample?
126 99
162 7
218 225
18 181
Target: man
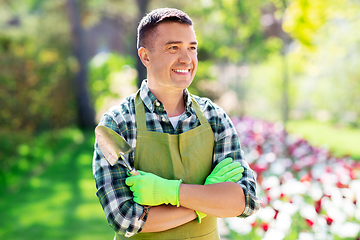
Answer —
186 148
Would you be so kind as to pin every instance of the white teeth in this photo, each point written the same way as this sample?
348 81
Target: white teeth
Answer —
181 70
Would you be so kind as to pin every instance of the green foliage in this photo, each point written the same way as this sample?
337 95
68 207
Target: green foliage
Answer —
305 17
230 31
24 154
35 70
35 88
106 71
326 75
56 201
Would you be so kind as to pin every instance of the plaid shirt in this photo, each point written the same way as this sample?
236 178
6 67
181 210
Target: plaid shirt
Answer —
116 198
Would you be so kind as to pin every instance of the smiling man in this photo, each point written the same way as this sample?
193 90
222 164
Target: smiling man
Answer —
187 150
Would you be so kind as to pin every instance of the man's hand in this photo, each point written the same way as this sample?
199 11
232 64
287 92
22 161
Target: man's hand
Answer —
152 190
225 171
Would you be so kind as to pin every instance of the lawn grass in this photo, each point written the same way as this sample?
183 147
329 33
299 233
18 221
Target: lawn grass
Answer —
340 140
60 201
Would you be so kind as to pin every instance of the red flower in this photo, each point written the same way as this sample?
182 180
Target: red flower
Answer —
259 167
329 220
259 149
282 195
318 206
309 222
341 185
265 226
305 178
253 224
276 213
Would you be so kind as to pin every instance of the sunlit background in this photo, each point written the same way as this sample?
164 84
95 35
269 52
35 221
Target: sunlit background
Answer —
286 71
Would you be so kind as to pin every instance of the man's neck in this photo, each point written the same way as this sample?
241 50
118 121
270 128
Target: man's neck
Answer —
173 100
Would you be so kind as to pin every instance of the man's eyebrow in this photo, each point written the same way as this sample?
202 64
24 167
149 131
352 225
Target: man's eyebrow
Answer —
180 42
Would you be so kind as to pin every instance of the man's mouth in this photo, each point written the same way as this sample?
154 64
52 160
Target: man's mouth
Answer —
181 70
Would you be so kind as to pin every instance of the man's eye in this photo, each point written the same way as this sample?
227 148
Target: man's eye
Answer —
193 48
174 47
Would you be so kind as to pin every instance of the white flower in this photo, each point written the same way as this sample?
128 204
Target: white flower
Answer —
266 214
289 208
306 236
318 170
275 192
278 167
347 230
283 222
338 215
348 207
315 191
329 178
357 214
270 182
308 212
239 225
274 234
293 187
270 157
355 185
298 201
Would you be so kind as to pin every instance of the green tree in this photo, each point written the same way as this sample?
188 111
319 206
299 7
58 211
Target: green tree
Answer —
328 49
35 67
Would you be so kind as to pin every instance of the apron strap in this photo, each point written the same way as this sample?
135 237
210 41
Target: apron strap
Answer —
140 113
141 118
198 111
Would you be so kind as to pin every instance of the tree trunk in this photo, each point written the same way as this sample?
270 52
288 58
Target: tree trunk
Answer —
285 88
142 6
86 113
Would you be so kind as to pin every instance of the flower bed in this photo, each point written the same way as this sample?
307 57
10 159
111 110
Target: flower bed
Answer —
306 193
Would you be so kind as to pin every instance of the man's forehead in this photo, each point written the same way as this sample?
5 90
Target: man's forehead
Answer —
173 32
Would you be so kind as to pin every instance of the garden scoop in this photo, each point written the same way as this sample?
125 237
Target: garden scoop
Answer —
114 147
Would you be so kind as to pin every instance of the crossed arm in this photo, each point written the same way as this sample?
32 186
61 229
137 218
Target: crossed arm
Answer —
220 200
220 196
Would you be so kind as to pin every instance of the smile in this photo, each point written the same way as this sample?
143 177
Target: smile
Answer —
181 70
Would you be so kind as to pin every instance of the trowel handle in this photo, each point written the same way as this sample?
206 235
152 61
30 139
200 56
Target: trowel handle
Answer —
133 172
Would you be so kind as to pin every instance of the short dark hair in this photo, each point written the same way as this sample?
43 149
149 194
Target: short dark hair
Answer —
148 23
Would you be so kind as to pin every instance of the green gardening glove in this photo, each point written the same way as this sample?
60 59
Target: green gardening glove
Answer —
225 171
152 190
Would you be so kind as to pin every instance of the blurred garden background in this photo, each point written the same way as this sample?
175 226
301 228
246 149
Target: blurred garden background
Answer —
286 71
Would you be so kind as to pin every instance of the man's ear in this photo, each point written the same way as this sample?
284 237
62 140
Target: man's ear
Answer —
144 56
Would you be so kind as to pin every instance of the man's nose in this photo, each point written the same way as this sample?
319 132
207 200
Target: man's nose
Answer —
185 56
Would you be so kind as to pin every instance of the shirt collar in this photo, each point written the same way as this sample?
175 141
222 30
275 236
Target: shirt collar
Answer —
150 100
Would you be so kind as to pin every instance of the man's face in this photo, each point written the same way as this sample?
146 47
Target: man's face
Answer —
172 56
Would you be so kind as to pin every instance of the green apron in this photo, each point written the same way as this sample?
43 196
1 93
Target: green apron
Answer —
187 156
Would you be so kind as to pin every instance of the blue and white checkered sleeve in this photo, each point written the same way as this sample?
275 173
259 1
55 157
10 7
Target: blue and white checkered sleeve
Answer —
122 213
228 145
